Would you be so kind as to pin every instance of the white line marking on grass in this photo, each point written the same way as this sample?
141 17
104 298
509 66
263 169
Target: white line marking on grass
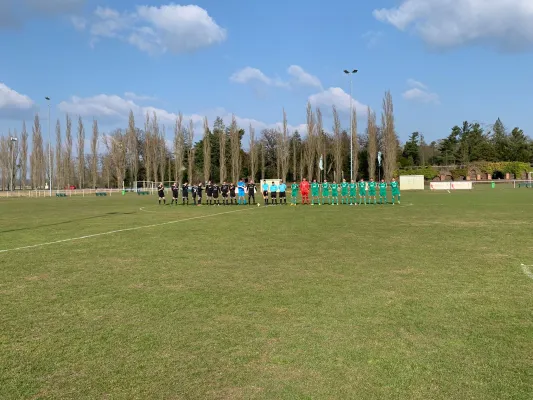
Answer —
526 270
120 230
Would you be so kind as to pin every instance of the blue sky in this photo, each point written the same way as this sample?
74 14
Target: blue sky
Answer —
443 61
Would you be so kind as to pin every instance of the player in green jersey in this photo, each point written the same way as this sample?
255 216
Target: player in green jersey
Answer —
353 192
294 193
325 192
383 192
362 191
344 192
334 193
372 191
315 192
395 189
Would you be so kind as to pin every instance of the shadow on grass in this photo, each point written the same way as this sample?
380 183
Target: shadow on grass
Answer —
68 222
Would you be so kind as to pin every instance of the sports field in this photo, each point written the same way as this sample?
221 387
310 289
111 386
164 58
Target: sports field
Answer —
423 300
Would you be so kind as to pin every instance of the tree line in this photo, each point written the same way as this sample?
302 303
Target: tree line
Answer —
134 154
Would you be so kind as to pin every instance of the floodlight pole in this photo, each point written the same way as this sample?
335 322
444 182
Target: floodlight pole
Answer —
49 148
351 121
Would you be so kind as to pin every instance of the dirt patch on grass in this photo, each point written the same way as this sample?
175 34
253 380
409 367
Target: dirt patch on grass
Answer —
41 277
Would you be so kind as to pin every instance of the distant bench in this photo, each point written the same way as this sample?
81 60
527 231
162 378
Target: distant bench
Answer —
101 193
61 195
525 184
143 193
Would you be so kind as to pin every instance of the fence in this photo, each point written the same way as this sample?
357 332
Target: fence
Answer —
69 193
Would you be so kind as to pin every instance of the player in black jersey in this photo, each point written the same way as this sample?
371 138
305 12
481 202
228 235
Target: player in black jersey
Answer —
216 190
209 193
232 195
175 193
161 193
194 191
224 189
251 192
185 193
199 190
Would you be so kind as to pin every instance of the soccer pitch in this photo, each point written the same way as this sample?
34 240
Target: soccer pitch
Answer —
119 298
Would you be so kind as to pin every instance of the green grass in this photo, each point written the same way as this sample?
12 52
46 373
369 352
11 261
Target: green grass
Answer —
425 300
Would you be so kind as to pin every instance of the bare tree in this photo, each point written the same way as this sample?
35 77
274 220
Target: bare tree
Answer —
207 151
262 148
94 151
222 147
67 159
372 132
320 145
133 147
253 153
337 144
37 166
59 173
294 159
23 156
5 163
147 149
162 150
284 154
116 144
235 145
390 140
310 143
81 153
190 146
355 144
154 147
179 148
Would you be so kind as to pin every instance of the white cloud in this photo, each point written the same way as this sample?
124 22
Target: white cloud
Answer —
304 78
444 23
79 23
133 96
420 92
416 84
299 77
14 104
249 74
155 30
112 109
335 96
372 38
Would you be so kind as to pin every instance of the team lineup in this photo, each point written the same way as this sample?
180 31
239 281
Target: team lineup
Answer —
325 193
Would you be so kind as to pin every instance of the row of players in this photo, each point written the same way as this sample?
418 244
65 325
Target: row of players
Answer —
352 193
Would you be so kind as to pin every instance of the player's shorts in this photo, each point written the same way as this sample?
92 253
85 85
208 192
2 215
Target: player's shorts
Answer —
241 194
295 194
314 194
325 194
175 195
161 193
282 195
215 196
395 192
224 195
274 195
265 193
382 194
352 194
185 195
362 193
334 195
209 195
344 194
371 192
232 195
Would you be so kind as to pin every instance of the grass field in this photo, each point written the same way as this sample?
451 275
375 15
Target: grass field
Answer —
426 300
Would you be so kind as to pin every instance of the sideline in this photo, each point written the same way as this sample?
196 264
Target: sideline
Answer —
121 230
525 269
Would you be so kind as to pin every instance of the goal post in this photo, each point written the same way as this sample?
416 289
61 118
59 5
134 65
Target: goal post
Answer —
411 182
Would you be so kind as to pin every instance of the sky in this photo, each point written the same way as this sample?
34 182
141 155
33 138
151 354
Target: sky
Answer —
443 61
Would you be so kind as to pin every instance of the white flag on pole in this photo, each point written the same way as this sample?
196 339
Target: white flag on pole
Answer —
379 158
321 164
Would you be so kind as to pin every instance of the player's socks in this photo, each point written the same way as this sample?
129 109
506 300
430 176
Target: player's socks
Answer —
398 199
165 201
159 201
